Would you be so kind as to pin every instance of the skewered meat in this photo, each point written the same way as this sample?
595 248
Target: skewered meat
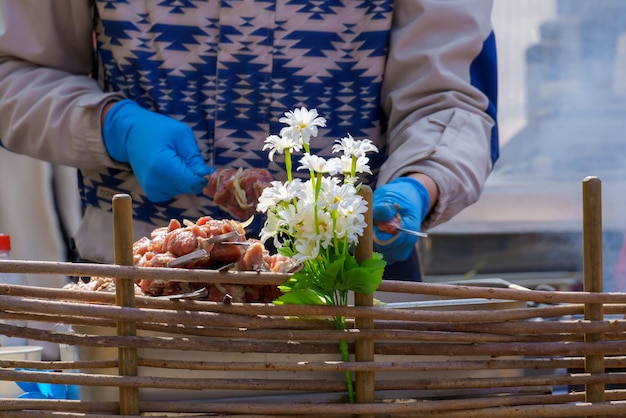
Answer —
257 258
235 293
164 287
151 259
177 240
99 284
212 236
254 258
237 191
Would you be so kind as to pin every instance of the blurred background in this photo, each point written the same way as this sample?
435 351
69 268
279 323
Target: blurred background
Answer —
562 114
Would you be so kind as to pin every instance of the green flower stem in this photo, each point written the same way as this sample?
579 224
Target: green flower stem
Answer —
345 357
318 188
340 323
307 150
335 242
288 165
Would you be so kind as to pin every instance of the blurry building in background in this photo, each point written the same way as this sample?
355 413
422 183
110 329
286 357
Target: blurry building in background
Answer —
528 223
517 27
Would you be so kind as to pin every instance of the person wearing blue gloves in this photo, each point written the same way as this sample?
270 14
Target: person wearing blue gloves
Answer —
172 90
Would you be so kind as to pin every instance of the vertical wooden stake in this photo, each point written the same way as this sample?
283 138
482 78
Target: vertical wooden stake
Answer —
364 348
125 296
592 276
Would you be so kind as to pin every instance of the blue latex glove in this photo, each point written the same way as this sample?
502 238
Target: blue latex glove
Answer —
46 390
162 151
410 199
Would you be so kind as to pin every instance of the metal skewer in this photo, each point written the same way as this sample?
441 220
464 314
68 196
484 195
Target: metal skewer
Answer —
411 232
188 258
196 294
202 253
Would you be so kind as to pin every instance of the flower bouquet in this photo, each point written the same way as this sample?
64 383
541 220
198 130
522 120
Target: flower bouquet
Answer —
318 221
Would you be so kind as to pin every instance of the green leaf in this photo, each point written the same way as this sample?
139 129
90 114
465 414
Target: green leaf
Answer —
316 285
286 251
303 279
376 264
327 279
303 297
361 280
365 278
351 263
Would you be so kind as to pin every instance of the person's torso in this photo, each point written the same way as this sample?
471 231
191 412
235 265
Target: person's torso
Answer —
230 69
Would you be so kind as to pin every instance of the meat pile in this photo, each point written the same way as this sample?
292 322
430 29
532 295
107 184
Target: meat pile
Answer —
237 191
99 284
211 242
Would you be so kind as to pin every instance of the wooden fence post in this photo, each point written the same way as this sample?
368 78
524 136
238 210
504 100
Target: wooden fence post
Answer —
364 348
125 296
592 277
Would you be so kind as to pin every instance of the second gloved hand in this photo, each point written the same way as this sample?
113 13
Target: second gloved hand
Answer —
403 201
162 151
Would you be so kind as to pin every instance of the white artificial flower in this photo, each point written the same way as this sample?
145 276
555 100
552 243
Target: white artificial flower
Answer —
362 165
324 231
331 193
351 222
321 199
315 163
301 124
278 192
351 226
353 148
292 217
271 229
306 249
339 165
312 227
351 204
278 144
281 224
344 163
271 196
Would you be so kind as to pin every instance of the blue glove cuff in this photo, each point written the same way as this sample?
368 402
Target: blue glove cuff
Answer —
115 127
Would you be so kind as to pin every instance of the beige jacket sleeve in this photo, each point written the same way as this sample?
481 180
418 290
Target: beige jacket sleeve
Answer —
437 120
49 106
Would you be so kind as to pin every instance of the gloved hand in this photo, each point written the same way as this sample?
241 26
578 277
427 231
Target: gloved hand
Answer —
162 151
34 390
408 198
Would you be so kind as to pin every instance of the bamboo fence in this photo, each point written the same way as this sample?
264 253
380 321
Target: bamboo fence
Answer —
553 354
